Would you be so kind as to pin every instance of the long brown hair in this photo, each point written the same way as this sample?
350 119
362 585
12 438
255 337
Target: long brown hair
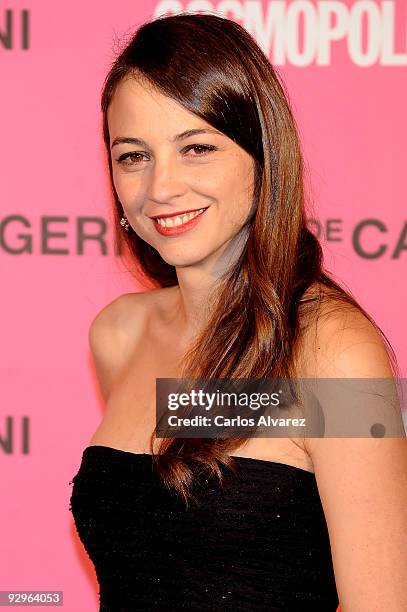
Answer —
214 68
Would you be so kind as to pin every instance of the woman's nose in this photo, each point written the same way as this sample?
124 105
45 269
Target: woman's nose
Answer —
166 180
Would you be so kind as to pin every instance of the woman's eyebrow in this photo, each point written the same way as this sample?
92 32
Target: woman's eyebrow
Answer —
186 134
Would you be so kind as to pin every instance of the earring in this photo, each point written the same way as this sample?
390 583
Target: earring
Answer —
124 223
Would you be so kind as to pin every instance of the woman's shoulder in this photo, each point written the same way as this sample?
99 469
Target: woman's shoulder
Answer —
338 336
125 316
119 316
117 328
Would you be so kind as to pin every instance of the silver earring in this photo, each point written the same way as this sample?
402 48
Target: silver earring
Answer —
124 223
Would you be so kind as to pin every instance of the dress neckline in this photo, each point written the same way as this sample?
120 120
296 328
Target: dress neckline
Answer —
240 458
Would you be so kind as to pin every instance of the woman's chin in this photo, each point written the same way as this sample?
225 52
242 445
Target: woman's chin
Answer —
181 260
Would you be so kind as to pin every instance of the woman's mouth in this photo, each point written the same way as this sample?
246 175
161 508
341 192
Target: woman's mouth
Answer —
178 224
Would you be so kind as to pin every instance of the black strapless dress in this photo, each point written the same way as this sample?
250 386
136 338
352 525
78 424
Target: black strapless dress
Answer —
260 543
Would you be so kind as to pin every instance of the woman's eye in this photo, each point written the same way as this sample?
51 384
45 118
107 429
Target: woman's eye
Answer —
124 159
201 149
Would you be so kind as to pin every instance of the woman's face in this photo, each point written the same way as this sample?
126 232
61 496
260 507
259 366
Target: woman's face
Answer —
163 170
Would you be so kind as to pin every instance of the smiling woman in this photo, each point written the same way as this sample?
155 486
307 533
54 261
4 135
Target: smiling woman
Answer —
207 182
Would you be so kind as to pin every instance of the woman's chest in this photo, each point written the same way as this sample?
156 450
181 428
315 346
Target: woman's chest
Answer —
130 412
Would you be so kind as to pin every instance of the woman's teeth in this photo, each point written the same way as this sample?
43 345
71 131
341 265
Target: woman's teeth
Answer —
179 219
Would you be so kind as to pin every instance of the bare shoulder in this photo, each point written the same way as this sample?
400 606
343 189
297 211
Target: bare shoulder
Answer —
343 347
119 320
341 341
115 331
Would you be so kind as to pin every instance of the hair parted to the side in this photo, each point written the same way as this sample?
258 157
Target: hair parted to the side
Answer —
267 300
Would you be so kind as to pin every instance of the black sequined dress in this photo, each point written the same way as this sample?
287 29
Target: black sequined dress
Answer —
259 543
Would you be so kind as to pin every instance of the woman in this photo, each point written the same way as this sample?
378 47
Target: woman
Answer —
207 179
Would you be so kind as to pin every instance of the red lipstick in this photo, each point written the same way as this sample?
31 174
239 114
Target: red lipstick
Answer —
177 229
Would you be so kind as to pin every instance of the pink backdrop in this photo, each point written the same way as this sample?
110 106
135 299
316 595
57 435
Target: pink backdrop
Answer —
345 67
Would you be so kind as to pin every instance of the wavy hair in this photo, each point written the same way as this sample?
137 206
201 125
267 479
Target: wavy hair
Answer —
279 282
